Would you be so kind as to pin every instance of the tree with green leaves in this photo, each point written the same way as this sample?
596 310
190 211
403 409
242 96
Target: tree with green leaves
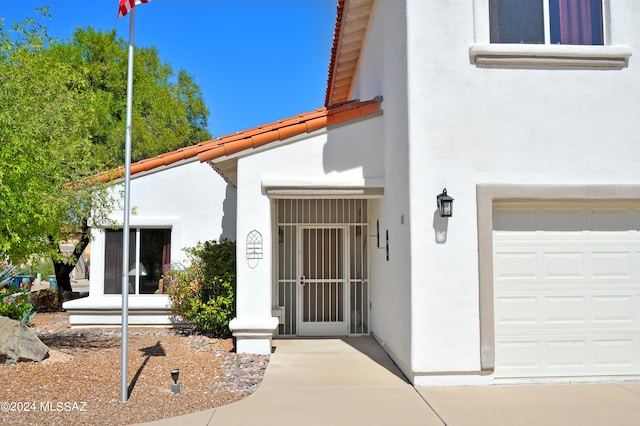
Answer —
62 121
46 115
168 109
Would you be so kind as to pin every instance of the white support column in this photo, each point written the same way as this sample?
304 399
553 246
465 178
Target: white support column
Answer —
254 324
253 335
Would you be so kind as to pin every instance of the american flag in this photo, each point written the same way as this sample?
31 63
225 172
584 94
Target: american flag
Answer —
127 5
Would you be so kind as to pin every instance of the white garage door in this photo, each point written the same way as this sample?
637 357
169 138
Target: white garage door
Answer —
567 289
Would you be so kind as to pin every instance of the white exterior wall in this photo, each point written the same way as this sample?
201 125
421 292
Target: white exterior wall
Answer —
191 198
449 123
194 194
473 125
341 156
444 276
382 70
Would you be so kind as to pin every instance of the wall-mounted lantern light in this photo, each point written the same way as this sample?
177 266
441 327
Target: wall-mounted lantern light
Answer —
445 204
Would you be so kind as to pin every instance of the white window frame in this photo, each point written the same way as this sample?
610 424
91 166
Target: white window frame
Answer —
136 222
484 53
137 230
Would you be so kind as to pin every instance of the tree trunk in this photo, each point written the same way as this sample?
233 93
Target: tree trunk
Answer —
63 272
64 268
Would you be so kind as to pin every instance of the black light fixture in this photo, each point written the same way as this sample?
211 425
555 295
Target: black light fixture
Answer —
174 375
445 204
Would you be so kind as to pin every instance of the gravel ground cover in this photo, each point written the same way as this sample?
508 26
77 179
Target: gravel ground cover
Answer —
80 382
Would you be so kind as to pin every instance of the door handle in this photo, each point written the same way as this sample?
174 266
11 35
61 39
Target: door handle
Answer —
302 283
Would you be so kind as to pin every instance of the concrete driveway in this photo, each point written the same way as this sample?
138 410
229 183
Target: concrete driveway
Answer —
353 381
597 404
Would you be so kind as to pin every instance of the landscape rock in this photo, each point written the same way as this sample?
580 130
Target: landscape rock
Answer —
19 343
49 299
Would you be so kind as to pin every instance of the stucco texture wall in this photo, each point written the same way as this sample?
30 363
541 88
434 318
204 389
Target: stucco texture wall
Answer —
345 155
192 198
516 125
382 70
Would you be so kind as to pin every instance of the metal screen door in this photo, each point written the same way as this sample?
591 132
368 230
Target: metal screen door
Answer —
323 281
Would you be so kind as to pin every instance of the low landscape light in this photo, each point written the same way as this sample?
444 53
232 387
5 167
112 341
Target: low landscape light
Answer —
175 373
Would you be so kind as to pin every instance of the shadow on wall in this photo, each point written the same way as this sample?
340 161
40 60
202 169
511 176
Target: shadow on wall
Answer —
355 145
228 221
440 225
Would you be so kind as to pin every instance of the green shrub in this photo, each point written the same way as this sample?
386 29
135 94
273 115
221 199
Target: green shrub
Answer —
14 304
203 293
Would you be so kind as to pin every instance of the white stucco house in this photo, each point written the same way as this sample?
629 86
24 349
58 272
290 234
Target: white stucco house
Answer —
168 214
526 115
536 276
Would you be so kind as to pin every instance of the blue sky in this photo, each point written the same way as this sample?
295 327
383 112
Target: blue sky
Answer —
256 61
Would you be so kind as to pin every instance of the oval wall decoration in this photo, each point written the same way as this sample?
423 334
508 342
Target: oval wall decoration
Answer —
254 248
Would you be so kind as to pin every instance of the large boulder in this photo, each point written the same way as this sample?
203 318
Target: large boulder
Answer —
19 343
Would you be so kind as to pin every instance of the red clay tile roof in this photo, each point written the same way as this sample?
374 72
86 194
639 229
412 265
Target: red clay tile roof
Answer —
350 31
256 137
350 13
334 51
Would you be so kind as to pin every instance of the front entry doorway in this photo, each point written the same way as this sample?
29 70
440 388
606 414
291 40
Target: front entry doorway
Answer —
322 286
322 281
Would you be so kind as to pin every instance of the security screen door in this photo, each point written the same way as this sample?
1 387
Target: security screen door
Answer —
322 281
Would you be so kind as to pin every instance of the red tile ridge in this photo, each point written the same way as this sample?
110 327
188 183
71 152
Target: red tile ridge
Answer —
293 126
253 138
110 175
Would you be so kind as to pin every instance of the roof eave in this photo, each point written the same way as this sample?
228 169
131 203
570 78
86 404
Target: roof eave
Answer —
352 21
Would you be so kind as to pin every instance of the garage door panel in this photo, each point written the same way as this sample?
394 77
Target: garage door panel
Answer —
567 356
567 290
610 309
565 309
518 355
520 265
563 264
566 353
593 263
516 309
611 353
612 264
542 357
591 308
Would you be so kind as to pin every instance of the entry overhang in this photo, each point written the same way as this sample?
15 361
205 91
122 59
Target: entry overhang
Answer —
290 189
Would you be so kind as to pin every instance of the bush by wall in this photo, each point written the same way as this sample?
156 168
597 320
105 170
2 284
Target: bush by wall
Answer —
203 293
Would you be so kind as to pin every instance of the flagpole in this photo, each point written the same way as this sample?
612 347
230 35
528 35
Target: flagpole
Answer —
127 211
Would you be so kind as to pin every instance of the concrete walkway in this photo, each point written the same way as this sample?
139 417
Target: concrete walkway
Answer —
353 382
